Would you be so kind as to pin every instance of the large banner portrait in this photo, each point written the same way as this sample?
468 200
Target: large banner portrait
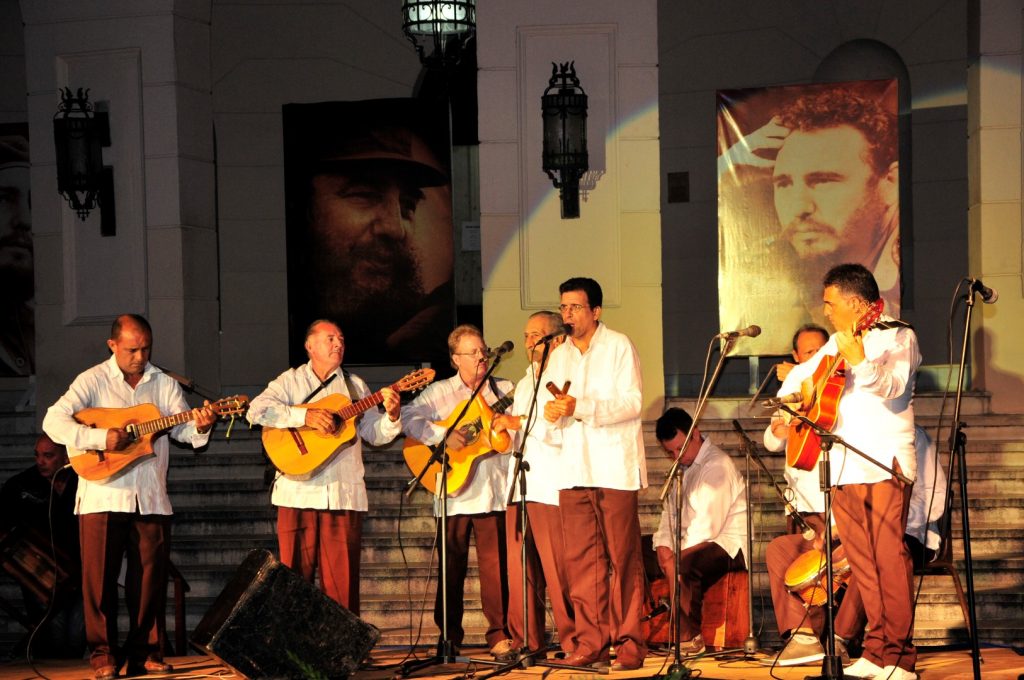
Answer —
808 177
369 224
17 322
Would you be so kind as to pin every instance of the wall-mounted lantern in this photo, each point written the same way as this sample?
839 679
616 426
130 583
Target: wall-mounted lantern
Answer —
565 159
79 135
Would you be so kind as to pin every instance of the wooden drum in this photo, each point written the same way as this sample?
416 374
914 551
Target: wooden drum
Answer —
806 577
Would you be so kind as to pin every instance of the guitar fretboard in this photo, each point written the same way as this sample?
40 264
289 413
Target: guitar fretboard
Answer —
357 407
153 426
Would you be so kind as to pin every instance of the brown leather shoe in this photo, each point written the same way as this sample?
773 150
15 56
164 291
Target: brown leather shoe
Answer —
106 673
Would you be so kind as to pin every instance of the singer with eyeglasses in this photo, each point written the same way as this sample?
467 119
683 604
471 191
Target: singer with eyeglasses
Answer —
478 508
603 468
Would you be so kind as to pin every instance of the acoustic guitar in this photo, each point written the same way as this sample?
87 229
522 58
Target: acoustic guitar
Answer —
820 404
300 452
142 422
481 443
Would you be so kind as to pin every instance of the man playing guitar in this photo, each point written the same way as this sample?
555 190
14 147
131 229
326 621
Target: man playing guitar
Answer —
320 517
479 506
875 414
797 625
128 515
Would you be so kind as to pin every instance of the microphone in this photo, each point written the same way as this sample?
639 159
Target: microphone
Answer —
564 329
502 350
751 331
988 295
659 609
794 398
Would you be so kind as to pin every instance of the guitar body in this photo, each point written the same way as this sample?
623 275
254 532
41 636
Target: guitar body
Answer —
821 393
99 465
803 447
142 423
300 451
481 443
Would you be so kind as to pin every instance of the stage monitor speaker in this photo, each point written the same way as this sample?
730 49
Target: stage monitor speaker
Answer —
269 622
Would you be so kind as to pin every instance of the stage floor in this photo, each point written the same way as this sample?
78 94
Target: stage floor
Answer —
999 664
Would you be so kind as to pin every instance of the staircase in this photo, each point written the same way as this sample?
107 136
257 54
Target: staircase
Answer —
222 510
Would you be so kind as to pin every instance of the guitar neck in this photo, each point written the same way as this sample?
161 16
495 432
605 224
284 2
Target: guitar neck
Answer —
502 404
364 404
160 424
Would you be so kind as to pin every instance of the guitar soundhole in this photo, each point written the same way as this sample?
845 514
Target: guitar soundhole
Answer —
133 432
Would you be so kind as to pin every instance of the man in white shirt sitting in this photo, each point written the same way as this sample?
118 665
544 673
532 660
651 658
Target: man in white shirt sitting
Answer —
712 521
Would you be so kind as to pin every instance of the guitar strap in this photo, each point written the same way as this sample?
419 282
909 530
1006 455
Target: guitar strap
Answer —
494 387
324 384
895 323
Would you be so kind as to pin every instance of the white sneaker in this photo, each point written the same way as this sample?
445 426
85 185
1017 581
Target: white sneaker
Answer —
862 668
896 673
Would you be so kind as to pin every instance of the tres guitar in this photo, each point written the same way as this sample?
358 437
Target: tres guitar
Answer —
480 444
142 422
820 405
299 452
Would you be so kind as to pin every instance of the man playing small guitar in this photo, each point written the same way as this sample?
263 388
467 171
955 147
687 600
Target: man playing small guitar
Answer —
875 413
128 514
480 505
320 515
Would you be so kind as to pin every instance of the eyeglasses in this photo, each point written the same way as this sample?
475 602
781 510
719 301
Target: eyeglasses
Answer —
575 307
478 353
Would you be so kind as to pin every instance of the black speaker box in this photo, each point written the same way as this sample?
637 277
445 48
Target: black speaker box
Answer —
270 623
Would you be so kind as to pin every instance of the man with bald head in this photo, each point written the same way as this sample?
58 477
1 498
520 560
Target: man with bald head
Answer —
127 515
320 517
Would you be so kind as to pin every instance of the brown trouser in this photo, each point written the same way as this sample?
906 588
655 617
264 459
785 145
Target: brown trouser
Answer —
489 531
700 567
545 571
601 532
107 538
790 612
872 519
331 539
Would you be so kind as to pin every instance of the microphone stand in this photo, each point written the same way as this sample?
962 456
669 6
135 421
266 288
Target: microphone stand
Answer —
958 453
678 670
188 384
832 663
445 650
525 658
751 643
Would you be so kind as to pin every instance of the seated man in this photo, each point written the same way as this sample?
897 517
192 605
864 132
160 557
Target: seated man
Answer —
26 507
801 626
712 521
797 625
